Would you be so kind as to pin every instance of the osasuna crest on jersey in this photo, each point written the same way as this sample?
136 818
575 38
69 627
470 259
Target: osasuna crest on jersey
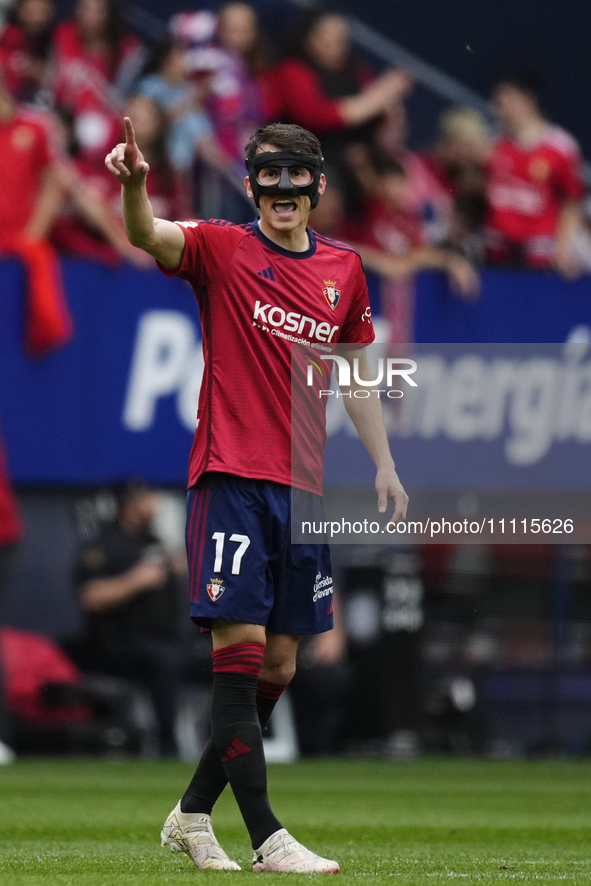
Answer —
331 293
215 589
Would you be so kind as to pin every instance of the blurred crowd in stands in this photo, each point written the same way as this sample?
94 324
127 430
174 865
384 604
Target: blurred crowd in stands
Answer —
511 195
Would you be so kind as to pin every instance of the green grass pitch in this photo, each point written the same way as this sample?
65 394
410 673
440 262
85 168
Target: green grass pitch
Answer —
95 823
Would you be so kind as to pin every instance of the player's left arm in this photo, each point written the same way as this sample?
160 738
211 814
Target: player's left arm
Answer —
368 418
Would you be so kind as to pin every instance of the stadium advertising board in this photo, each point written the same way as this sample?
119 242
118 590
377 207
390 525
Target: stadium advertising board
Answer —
482 421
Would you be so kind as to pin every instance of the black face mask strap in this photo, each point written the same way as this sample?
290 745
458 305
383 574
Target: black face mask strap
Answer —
285 181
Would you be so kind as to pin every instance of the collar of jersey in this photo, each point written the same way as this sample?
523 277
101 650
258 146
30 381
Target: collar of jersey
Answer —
288 253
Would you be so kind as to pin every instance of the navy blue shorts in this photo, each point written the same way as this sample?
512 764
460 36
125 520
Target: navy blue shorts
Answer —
242 564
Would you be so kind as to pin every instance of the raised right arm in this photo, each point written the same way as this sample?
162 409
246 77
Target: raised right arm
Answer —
161 239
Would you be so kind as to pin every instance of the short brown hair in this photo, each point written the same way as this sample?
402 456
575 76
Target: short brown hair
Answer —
287 137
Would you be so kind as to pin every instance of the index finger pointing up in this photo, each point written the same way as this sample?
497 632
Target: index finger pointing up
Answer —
129 133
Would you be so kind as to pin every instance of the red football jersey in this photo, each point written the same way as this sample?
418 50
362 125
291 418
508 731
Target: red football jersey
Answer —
527 187
256 298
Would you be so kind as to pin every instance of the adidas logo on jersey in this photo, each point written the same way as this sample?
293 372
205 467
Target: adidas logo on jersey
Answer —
267 273
293 322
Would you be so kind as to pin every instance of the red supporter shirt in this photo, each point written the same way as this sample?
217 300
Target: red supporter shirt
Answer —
82 77
25 152
294 91
89 83
436 170
16 54
256 298
528 186
395 231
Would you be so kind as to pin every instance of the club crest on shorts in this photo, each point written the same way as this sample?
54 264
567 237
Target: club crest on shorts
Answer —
215 589
331 293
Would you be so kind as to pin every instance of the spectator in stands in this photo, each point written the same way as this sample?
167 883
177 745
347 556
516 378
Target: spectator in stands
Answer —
324 89
96 62
190 130
127 587
464 231
534 185
239 34
235 101
390 241
10 534
25 46
239 30
89 224
234 107
30 198
28 180
458 157
442 175
425 194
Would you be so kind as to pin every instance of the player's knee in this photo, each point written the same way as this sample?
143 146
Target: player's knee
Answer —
279 671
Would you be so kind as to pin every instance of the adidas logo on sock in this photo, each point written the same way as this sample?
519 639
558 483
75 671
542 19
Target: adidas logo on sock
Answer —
236 748
267 273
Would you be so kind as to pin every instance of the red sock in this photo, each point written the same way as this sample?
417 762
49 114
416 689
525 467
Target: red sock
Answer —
240 658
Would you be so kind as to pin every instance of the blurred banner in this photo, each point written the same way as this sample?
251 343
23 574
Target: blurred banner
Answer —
492 441
121 399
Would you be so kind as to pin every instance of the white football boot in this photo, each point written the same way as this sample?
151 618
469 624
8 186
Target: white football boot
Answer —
193 834
282 852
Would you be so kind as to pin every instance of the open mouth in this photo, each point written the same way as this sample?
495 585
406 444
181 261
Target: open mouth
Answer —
285 207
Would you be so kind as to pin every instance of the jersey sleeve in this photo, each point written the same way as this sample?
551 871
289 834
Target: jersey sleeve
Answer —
209 247
358 325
